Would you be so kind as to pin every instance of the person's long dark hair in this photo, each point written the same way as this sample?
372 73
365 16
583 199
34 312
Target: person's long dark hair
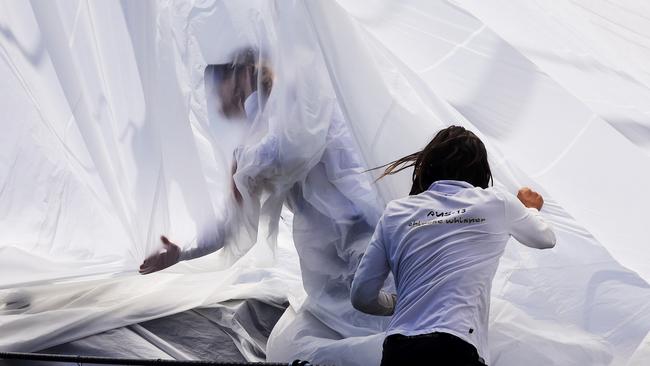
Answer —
453 154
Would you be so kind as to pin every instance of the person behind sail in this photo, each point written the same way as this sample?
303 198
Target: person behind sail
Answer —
334 204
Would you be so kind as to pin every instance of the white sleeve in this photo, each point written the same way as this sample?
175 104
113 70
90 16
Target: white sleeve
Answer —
207 242
527 224
366 293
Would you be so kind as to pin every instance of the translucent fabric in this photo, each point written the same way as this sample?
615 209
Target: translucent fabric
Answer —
106 147
113 135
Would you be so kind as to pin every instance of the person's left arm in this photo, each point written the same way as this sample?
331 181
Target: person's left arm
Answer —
366 293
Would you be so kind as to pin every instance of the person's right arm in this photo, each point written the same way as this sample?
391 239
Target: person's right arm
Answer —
209 241
366 293
172 253
525 223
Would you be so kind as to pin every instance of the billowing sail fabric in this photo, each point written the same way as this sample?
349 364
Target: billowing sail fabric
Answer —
115 134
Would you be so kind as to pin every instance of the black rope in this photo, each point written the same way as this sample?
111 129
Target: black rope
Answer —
80 360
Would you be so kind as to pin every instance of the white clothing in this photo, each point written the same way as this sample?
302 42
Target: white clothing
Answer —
335 211
336 186
443 247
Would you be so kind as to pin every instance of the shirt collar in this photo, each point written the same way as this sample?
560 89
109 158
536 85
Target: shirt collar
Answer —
449 186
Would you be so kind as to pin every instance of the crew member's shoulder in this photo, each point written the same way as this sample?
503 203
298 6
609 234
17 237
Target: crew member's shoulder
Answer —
501 194
496 190
398 205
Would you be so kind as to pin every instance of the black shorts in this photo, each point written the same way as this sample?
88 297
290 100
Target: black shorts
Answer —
429 349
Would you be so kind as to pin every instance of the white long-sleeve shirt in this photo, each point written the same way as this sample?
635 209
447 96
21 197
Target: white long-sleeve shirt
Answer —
443 247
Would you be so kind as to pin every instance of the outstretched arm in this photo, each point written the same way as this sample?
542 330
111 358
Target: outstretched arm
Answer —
208 242
172 253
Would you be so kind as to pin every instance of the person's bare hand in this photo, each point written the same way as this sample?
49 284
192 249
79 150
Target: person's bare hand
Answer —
530 198
161 260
